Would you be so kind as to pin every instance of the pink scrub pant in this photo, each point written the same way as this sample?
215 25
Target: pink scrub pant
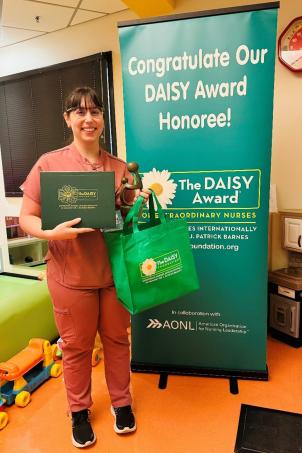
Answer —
79 314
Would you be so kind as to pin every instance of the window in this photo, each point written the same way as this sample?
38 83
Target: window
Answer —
31 112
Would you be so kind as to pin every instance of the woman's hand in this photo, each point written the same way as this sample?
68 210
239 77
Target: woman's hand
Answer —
65 231
143 193
30 222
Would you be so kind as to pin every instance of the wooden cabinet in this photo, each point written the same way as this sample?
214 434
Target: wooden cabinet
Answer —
291 223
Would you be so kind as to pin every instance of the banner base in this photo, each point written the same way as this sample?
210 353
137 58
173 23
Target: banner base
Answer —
139 367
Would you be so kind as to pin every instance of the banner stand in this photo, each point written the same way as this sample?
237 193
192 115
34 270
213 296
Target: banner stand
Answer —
198 92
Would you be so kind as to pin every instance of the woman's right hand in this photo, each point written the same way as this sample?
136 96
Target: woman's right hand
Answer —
65 231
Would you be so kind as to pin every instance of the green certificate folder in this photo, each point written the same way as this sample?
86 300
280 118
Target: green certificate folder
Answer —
66 195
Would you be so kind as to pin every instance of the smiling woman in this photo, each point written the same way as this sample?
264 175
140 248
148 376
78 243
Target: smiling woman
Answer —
79 274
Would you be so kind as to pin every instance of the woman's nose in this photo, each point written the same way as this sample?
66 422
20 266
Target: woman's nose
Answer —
88 115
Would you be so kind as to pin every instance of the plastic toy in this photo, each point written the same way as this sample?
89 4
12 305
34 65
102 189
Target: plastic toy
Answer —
96 357
24 372
57 352
3 414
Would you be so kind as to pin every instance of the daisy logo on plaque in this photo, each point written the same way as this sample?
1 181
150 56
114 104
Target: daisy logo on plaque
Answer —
161 184
68 194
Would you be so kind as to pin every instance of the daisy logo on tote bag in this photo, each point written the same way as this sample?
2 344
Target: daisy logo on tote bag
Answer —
163 266
148 267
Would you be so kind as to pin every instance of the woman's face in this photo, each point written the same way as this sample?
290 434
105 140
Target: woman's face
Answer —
86 122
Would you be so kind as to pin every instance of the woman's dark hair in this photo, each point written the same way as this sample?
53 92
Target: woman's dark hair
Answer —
73 100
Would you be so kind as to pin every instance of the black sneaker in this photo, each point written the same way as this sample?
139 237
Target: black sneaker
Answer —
124 419
82 434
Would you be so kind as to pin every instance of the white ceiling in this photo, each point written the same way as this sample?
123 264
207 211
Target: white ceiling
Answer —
21 20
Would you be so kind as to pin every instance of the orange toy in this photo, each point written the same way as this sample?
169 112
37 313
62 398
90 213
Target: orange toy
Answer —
24 372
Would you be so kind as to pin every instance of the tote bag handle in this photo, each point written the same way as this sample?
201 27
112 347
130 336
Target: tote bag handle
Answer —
133 214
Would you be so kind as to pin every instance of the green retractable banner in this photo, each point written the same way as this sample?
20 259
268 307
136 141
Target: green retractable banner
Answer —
198 102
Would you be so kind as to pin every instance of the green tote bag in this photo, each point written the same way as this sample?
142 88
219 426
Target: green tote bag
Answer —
152 263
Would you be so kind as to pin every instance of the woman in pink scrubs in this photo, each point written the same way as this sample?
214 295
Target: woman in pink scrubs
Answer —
79 274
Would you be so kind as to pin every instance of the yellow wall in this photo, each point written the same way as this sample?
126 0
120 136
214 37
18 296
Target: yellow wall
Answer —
102 35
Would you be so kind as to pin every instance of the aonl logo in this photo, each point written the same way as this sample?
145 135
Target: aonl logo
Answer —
154 324
171 325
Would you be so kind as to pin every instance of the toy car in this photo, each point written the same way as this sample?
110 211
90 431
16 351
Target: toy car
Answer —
57 352
24 372
3 414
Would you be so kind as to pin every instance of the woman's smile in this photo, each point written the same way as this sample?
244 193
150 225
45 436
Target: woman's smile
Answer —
89 129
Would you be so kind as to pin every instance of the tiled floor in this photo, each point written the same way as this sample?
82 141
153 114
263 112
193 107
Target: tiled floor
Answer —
191 415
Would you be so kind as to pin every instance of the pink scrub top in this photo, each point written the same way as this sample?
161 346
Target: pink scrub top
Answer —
82 262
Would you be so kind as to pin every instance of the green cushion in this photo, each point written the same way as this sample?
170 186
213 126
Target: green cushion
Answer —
25 313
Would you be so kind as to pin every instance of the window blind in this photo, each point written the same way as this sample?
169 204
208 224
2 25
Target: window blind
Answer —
31 112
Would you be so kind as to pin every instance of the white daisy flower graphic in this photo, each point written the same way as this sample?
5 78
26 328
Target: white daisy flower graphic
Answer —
149 267
163 186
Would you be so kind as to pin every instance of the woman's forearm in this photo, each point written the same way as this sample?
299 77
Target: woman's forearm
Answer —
31 224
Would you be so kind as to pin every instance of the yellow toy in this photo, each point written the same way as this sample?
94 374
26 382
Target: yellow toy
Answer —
96 353
24 372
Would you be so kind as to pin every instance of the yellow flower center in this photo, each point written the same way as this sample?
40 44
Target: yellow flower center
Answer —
149 267
157 187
